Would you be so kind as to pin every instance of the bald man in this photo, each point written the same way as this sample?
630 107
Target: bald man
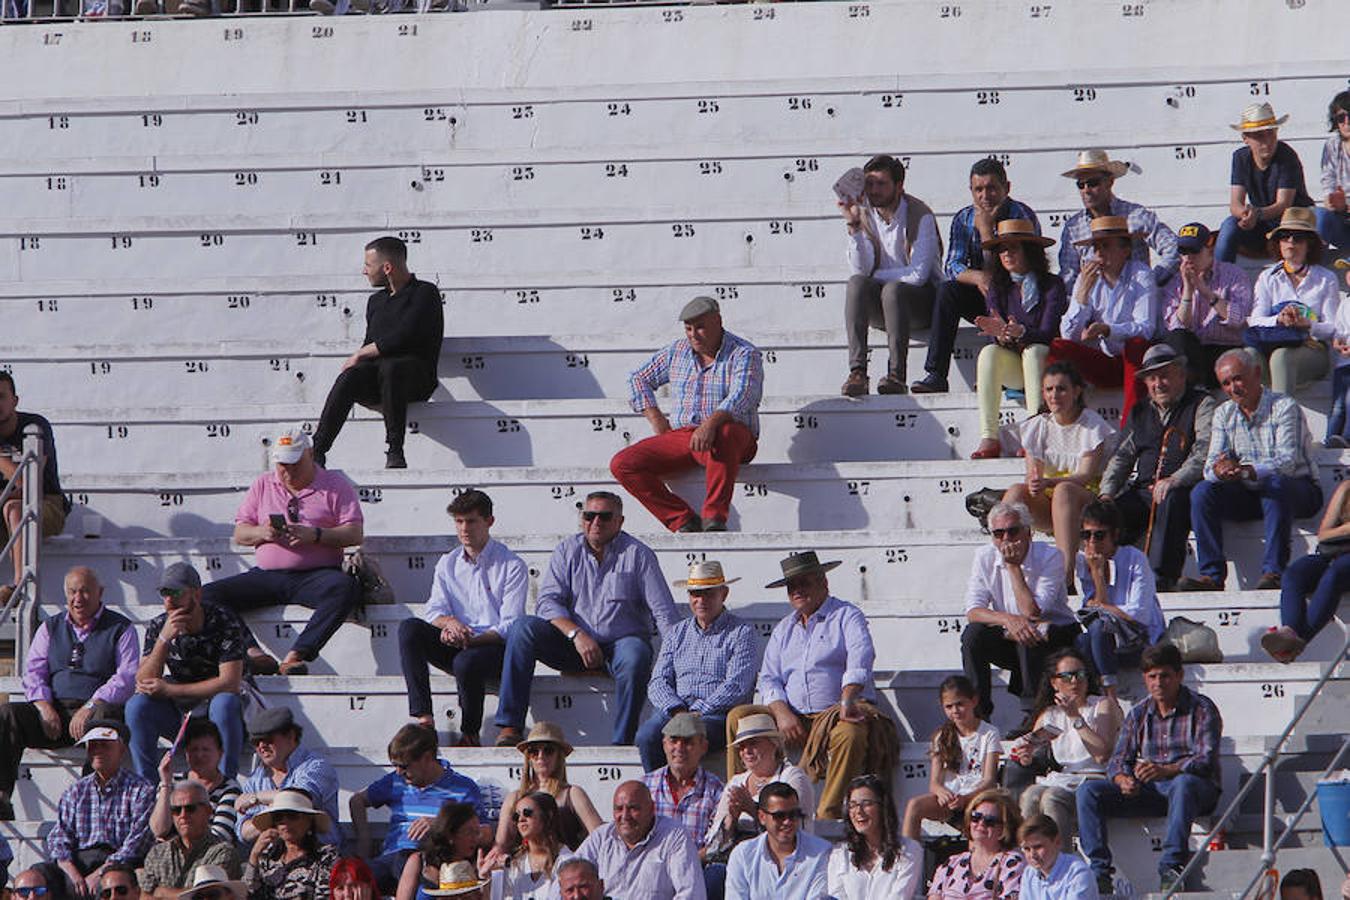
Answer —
641 854
81 665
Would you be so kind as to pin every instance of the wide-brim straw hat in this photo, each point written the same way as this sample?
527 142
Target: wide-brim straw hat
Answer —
546 733
1097 161
207 877
456 878
704 575
1302 219
1104 227
292 801
802 564
758 725
1259 117
1015 231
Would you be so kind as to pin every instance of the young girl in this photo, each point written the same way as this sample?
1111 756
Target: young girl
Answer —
964 759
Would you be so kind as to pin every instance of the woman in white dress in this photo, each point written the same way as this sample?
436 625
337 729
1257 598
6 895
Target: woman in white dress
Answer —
527 873
759 744
875 862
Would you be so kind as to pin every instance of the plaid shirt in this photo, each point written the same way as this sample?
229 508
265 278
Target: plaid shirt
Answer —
965 247
1228 282
169 864
1189 736
695 809
115 814
707 671
1155 235
1275 440
733 383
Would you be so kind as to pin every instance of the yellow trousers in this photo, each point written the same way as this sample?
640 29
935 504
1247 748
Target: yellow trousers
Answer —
998 367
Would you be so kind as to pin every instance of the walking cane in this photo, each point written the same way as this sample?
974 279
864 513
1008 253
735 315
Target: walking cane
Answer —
1157 473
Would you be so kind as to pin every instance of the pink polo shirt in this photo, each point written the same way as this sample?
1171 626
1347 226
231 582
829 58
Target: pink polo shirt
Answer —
329 501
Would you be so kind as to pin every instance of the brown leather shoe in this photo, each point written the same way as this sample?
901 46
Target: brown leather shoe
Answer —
856 383
1199 583
1270 581
509 737
889 384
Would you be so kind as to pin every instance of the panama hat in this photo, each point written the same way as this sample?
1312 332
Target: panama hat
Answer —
801 564
456 878
759 725
1108 227
1297 218
546 733
1011 231
292 801
205 878
1259 117
1097 161
704 575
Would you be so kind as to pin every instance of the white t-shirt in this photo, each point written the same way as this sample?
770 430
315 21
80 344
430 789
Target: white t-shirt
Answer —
1060 447
1068 748
974 748
849 883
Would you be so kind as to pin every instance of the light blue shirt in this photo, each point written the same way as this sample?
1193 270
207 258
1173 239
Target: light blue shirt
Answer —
752 872
1132 588
663 866
1130 307
1070 879
707 671
307 771
486 594
616 597
1274 441
807 666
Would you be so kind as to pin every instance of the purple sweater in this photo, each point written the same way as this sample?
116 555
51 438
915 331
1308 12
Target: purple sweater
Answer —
1042 323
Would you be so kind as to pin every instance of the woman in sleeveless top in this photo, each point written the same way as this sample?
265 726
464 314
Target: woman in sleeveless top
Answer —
546 750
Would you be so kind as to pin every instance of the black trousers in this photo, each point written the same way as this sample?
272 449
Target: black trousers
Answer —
391 382
954 301
984 646
1171 525
419 647
21 728
1200 358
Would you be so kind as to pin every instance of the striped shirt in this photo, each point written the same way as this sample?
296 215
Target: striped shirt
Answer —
1275 440
115 814
408 803
310 772
705 670
732 383
1189 735
1228 282
223 814
1141 220
695 809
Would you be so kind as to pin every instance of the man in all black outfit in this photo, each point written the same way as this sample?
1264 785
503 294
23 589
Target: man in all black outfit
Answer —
54 509
396 363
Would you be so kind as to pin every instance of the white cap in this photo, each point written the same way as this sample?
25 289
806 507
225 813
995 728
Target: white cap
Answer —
100 733
290 445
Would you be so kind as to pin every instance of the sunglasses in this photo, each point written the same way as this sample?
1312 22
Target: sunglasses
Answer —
177 809
1011 531
1341 118
989 820
591 515
785 815
525 812
1090 183
120 890
37 890
1071 675
171 593
541 750
293 509
76 660
1094 534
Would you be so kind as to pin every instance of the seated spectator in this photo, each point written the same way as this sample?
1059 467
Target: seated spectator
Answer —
1333 219
759 748
964 293
579 879
681 790
455 838
42 881
1298 293
1160 458
1266 180
299 517
6 859
352 879
598 606
105 816
706 665
1016 611
1260 466
119 881
784 862
456 879
1120 612
169 866
204 751
1050 874
1070 701
1301 884
716 381
396 362
1204 312
962 759
193 660
54 503
529 871
80 666
874 862
1095 175
546 750
284 764
832 713
289 861
1165 763
641 854
213 883
894 253
1066 449
414 792
477 592
1312 587
1112 312
992 867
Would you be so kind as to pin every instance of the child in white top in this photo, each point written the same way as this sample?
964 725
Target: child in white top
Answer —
963 759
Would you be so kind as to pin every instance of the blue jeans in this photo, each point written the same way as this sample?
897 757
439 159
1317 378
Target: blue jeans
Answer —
715 881
1277 500
653 752
531 639
1340 390
1311 592
1334 228
1099 645
1181 799
1232 238
151 718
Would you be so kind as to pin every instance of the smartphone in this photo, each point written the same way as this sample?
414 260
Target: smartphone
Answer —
277 521
849 187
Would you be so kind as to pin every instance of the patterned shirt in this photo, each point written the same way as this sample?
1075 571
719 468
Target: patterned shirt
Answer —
1189 735
170 864
1274 440
614 597
115 813
955 879
1228 282
304 879
1335 166
705 670
485 594
408 803
197 657
308 771
732 383
1129 307
807 666
965 247
697 805
1141 220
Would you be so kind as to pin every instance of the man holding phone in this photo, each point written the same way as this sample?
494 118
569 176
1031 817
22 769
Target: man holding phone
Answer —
299 517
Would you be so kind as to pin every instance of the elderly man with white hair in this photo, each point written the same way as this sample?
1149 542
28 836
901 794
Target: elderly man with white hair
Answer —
169 866
1016 608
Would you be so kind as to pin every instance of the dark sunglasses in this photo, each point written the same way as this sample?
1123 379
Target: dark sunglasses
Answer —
526 812
540 750
171 593
36 890
1094 534
1090 183
591 515
989 819
1071 675
76 660
1011 531
1341 118
786 815
120 890
293 509
184 808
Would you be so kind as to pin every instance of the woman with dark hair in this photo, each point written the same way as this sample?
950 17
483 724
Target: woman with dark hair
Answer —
992 867
528 871
1066 446
875 862
1333 218
1025 304
455 836
287 861
204 750
1085 726
352 879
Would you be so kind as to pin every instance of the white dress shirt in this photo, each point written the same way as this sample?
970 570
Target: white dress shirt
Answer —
848 882
917 265
990 585
1129 307
486 594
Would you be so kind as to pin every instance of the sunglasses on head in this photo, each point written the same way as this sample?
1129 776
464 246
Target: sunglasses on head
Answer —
1089 183
178 809
120 890
1011 531
35 890
1094 534
604 515
525 812
990 820
1071 675
785 815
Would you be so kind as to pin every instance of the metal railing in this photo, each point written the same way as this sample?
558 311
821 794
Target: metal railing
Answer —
27 482
1271 760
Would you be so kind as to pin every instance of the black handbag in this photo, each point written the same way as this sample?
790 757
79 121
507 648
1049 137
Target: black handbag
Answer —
979 503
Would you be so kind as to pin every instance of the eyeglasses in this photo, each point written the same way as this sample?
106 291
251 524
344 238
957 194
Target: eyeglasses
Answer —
861 804
36 890
524 812
293 509
76 660
989 820
1011 531
785 815
1094 534
1090 183
177 809
604 515
120 890
1071 675
1288 236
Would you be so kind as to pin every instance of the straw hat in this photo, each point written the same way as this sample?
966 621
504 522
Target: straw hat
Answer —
704 575
1259 117
1297 218
1012 231
292 801
206 877
759 725
1097 161
546 733
1108 227
802 564
456 878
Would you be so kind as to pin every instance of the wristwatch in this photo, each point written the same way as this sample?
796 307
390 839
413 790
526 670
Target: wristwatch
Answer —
572 635
1079 722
